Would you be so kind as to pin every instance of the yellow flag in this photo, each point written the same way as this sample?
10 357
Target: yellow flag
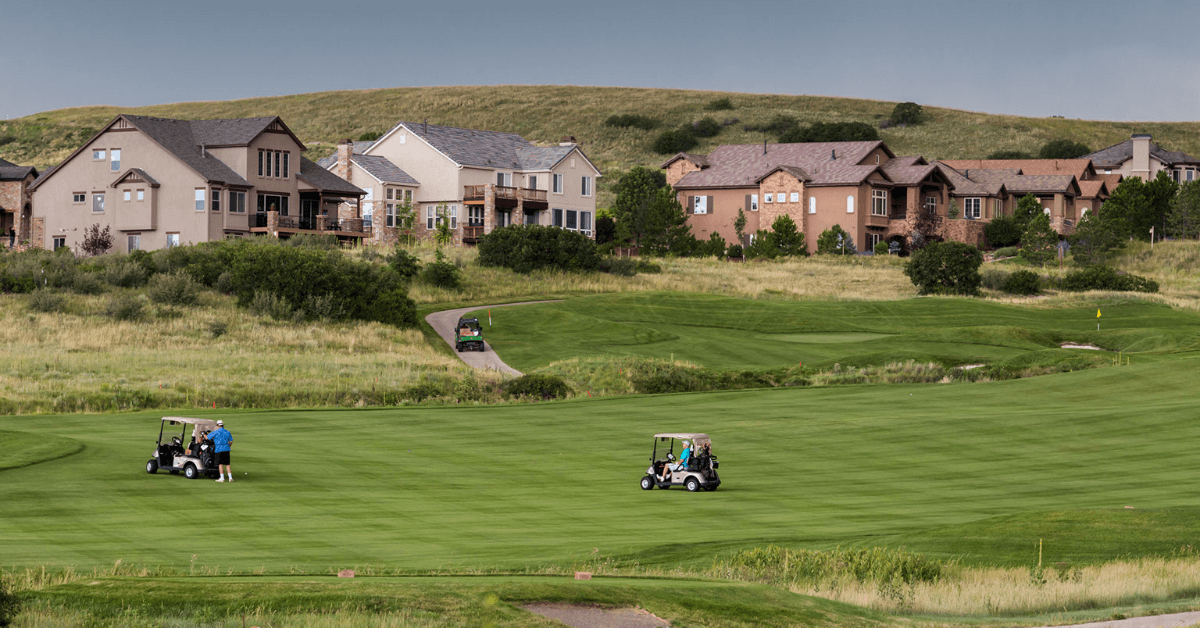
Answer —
1097 312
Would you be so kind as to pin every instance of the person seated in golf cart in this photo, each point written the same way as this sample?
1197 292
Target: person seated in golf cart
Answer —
685 456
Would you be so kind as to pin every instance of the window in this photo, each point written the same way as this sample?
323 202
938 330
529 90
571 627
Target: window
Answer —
59 242
429 218
532 182
216 200
200 199
850 202
172 240
237 202
475 215
930 204
699 205
260 162
454 216
998 207
812 204
753 202
558 182
585 186
276 163
273 163
389 194
879 203
1046 210
128 195
971 208
558 217
79 198
135 242
390 213
273 203
872 239
504 179
531 218
98 154
368 214
97 202
794 198
116 160
572 219
286 159
503 219
1108 171
585 222
1191 174
876 163
768 197
141 195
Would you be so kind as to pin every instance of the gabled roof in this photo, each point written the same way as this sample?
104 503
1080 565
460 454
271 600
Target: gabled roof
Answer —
965 186
237 131
1117 154
12 172
471 147
1080 168
907 160
1042 184
911 174
1093 188
699 160
543 157
380 168
740 165
792 170
1111 180
331 159
137 171
324 180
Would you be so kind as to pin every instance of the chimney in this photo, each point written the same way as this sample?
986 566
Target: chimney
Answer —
567 140
832 154
764 147
344 152
425 127
1140 167
202 151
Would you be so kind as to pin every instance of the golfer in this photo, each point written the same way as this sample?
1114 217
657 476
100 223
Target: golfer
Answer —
222 441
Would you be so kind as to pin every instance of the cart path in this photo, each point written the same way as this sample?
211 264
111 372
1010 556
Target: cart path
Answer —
1172 620
443 323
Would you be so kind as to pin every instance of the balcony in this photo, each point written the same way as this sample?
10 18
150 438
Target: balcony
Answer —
350 227
506 197
472 234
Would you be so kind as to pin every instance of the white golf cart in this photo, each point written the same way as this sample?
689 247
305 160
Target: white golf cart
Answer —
192 454
698 472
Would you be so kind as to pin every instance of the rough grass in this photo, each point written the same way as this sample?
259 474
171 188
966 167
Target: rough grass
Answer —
544 114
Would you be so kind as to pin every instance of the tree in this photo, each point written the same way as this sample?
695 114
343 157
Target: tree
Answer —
442 232
1063 149
1095 239
706 127
835 241
1127 207
1028 207
95 241
634 193
664 225
1160 192
925 225
787 238
1183 221
674 141
739 226
946 268
715 245
907 113
406 221
1003 231
1040 243
831 132
952 211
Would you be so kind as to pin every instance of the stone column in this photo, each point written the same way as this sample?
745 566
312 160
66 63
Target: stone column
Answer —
489 207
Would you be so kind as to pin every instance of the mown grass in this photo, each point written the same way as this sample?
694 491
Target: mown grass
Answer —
544 114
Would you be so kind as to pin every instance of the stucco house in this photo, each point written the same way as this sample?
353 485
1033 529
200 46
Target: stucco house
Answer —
1138 156
158 182
475 180
15 201
1066 188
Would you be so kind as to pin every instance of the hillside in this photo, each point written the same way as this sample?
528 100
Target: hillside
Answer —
544 114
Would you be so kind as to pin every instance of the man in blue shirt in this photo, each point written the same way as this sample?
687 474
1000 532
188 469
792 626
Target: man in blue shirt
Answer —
222 441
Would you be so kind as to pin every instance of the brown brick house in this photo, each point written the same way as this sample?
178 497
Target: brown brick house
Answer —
15 201
158 182
1066 188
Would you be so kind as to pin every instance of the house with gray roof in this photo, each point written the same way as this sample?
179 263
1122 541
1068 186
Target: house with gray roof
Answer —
1139 156
473 180
1066 188
15 202
159 182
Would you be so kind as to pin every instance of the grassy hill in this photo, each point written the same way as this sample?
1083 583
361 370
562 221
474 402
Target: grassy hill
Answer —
544 114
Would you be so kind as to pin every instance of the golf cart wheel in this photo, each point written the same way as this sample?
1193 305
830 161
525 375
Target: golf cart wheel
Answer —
152 467
692 485
710 488
647 482
458 347
190 471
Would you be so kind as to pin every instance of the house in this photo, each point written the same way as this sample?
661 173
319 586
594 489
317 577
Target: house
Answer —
158 182
1138 156
1066 188
474 180
15 202
861 186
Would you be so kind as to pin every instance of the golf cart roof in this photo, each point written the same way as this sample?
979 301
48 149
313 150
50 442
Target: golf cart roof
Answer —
209 423
683 436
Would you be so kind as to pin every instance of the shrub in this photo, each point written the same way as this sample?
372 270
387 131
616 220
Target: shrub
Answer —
706 127
1106 278
265 303
632 120
225 284
404 263
831 132
324 308
835 241
525 248
1003 231
1010 154
778 125
620 266
216 329
177 288
994 278
674 141
392 307
1022 282
877 565
442 274
715 245
761 246
907 113
606 229
1008 251
538 386
719 104
321 242
1063 149
124 273
648 267
881 248
46 301
10 602
95 241
735 250
124 307
946 268
87 283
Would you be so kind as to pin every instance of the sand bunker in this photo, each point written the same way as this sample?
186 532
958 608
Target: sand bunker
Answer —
1075 345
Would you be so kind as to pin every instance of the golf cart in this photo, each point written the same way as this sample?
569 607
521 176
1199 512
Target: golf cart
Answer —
184 452
468 334
699 472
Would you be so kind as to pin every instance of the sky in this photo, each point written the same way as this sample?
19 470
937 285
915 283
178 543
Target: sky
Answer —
1096 59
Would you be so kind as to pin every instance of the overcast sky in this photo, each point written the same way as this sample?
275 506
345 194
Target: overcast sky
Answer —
1097 59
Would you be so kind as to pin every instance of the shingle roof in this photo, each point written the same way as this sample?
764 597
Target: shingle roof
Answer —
1118 154
1077 167
964 186
1092 188
7 164
139 172
382 169
235 132
1110 180
698 159
471 147
359 148
906 174
908 160
180 138
1043 183
542 157
325 180
799 173
12 172
740 165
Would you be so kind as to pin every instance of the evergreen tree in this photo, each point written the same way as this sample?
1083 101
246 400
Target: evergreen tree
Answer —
664 225
635 192
786 238
835 241
1183 221
1040 243
1095 240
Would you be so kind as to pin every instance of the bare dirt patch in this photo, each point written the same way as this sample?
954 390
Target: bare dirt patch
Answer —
1076 345
580 616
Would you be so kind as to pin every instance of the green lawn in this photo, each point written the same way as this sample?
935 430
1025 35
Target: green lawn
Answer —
729 333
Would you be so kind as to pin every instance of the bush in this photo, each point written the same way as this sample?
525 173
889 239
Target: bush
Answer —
177 288
946 268
1003 231
10 602
46 301
538 386
715 245
404 263
632 120
831 132
907 113
719 104
648 267
216 329
96 242
881 248
706 127
994 278
322 308
1010 154
320 242
87 283
225 284
442 274
1106 278
1063 149
735 250
124 273
1022 282
778 125
525 248
266 304
829 242
124 307
606 229
1008 251
674 141
620 266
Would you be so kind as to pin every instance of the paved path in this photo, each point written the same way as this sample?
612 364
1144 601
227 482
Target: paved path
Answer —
1151 621
443 323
